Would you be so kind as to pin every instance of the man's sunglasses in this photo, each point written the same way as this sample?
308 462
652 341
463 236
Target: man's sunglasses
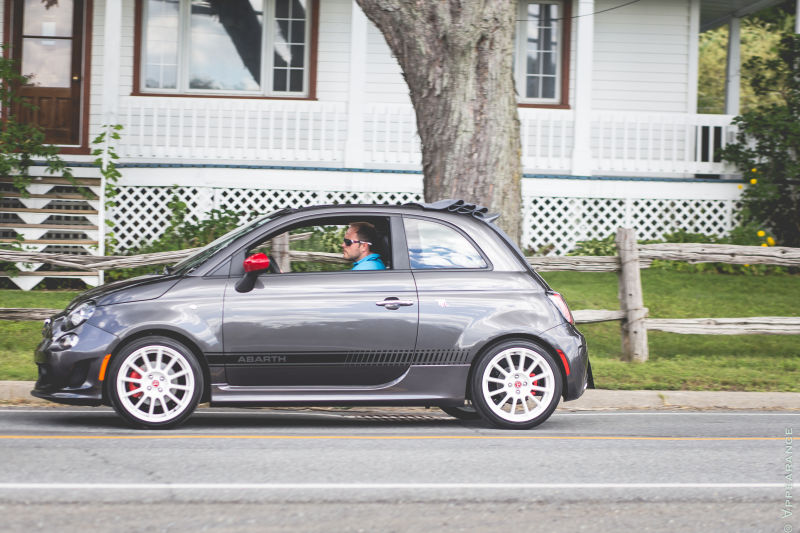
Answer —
348 242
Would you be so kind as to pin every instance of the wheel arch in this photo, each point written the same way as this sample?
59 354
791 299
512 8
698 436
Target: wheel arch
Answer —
517 336
183 339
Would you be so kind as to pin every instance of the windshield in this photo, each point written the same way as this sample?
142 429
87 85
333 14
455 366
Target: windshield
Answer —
210 249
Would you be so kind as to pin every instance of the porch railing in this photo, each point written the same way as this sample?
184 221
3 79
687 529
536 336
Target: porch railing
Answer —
221 129
660 143
316 132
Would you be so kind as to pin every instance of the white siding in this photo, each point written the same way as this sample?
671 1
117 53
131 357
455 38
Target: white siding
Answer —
385 83
2 19
333 50
641 56
96 81
126 61
573 46
125 85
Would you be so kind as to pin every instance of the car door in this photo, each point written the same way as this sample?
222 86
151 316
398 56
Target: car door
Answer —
457 288
311 329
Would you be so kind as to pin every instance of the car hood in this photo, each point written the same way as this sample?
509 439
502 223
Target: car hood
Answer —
129 290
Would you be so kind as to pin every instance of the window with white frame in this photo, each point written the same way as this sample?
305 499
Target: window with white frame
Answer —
239 47
539 49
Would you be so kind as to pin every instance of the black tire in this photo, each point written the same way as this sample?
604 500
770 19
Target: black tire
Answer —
504 394
462 412
154 383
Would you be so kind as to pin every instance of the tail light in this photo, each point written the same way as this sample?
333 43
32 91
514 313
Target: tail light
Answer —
562 306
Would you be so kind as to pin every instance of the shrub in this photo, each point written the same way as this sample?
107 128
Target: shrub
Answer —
605 246
766 147
744 235
182 233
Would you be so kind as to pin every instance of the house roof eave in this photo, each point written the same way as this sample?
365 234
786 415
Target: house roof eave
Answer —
716 13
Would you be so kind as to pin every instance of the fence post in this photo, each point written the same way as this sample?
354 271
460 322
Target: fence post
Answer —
634 332
280 252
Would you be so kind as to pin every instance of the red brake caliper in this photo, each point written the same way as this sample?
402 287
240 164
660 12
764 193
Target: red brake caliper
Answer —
534 384
131 386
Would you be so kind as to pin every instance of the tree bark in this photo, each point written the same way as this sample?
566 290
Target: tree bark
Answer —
456 56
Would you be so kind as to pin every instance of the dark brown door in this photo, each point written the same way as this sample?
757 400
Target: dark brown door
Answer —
48 44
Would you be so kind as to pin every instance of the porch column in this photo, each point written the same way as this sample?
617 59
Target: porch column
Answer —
582 150
732 72
112 46
354 146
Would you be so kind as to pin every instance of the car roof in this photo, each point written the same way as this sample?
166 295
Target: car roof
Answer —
459 207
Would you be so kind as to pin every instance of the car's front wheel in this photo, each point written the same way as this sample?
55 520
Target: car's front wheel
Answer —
516 385
155 382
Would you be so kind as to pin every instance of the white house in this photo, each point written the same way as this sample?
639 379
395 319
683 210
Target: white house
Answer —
257 104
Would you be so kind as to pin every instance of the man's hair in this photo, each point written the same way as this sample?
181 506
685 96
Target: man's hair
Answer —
366 232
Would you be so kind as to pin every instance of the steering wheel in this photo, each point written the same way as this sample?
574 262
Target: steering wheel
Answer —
274 267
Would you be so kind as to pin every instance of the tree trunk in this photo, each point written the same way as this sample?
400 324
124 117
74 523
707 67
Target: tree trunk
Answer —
456 57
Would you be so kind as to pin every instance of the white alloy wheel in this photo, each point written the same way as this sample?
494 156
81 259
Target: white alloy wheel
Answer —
156 384
519 385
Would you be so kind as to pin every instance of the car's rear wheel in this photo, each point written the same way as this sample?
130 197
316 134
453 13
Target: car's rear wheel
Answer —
516 385
156 382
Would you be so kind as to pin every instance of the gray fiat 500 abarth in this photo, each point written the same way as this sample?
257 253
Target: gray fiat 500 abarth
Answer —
422 304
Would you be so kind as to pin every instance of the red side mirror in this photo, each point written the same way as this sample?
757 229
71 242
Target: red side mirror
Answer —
256 263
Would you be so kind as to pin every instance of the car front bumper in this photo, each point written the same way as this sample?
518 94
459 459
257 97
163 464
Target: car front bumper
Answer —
72 376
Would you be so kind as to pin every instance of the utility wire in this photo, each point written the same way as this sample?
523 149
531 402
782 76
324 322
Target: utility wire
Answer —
590 14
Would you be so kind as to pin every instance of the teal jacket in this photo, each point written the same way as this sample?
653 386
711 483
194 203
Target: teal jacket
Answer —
370 262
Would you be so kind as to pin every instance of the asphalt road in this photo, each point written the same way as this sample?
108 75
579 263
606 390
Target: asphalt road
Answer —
316 470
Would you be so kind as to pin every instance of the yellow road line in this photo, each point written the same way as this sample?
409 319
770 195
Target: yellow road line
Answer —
375 437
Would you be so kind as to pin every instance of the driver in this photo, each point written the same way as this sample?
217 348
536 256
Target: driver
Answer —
358 244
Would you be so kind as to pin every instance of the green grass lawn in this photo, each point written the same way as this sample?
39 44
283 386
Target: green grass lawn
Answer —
19 339
692 362
677 362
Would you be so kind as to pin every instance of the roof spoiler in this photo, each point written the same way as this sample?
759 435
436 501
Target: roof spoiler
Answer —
460 207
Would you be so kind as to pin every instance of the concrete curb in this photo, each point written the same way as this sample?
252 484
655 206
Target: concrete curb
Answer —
18 393
597 399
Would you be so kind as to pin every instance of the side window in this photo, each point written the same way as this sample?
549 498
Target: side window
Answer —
310 248
321 248
317 245
434 245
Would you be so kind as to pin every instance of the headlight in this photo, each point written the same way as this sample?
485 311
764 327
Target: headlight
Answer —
67 341
80 314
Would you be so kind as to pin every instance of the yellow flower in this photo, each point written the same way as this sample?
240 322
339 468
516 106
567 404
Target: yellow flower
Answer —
753 170
740 186
753 181
761 233
746 265
763 244
770 241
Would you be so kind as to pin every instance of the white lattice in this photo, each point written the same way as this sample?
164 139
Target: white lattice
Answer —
550 221
143 213
555 224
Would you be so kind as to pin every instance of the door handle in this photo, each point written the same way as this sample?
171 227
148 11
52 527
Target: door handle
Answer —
394 303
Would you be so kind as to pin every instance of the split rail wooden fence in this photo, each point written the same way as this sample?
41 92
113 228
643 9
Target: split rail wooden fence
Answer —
631 258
